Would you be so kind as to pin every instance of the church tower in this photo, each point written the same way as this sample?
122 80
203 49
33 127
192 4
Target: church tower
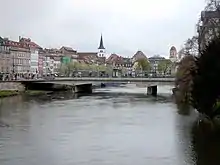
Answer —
101 49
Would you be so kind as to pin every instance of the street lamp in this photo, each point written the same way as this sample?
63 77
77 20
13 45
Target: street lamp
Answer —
13 64
97 68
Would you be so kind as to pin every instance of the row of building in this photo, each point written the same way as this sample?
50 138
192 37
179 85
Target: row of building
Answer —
25 56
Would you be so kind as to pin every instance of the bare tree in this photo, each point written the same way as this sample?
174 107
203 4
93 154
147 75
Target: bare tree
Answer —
191 46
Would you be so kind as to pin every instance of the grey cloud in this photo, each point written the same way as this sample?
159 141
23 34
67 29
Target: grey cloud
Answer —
51 25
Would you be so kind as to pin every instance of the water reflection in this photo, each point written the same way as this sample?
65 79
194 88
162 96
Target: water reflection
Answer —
111 126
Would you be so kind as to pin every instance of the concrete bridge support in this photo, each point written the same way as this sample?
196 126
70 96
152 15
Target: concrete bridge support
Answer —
152 90
83 88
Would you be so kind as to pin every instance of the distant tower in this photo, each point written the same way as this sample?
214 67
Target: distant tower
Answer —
101 49
173 54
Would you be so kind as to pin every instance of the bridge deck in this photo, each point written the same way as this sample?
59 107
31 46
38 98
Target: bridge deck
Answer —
105 79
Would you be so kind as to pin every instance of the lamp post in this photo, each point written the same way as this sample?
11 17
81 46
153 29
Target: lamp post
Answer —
13 64
97 69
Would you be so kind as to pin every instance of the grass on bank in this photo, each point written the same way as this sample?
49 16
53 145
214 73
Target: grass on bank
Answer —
7 93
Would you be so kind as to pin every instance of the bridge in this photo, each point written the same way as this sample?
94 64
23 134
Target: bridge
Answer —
84 84
69 80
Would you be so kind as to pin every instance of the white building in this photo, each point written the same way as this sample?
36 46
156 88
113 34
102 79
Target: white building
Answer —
34 61
51 65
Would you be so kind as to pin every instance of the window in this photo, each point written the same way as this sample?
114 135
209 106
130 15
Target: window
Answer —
34 64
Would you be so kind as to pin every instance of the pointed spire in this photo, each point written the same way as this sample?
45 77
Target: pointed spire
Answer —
101 45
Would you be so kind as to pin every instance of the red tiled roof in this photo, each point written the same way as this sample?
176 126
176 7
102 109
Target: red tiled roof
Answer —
88 57
30 43
16 44
91 57
116 59
139 55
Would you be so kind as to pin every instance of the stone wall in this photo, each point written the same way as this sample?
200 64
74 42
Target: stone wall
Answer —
11 86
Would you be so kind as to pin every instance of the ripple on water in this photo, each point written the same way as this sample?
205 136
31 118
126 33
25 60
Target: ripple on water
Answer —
119 126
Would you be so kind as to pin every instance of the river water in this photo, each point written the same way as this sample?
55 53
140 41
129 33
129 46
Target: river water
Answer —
112 126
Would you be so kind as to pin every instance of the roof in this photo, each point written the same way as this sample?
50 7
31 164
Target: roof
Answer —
156 58
112 58
127 60
14 44
88 57
139 55
69 49
30 43
53 50
101 45
116 59
173 48
83 54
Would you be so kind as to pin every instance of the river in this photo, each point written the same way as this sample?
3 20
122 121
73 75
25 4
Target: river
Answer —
112 126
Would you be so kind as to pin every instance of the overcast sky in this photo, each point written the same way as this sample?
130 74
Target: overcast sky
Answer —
152 26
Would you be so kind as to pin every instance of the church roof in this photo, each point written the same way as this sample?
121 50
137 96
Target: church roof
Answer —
101 45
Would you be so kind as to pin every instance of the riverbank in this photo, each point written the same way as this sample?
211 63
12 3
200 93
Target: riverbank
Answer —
8 93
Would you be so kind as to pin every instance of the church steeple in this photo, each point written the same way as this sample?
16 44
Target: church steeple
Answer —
101 49
101 45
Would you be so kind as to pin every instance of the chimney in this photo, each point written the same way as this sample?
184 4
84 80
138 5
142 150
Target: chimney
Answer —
19 38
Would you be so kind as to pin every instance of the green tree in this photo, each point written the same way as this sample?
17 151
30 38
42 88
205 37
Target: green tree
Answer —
109 69
102 68
143 64
205 86
68 68
164 66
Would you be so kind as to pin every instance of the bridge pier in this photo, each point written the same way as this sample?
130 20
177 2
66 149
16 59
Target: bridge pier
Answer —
83 88
152 90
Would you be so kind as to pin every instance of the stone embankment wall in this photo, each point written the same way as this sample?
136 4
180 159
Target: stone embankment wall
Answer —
15 86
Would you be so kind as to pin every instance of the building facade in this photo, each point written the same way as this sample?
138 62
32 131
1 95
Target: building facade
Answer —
5 58
41 62
173 54
51 61
154 61
34 58
68 55
20 56
34 61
